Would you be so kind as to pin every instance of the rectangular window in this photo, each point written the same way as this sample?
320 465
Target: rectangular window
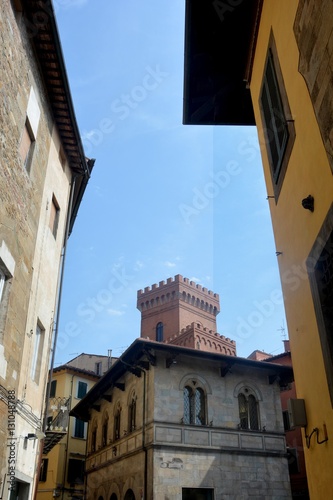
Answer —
320 270
279 130
79 429
292 461
37 353
43 470
53 389
81 389
54 217
197 494
27 146
98 368
286 421
75 473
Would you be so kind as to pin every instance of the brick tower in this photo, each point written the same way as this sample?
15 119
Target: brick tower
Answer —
182 312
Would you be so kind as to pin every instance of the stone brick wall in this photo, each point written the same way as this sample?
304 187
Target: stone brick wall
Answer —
314 35
29 252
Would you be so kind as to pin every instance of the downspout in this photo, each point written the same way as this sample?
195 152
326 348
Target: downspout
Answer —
67 442
56 323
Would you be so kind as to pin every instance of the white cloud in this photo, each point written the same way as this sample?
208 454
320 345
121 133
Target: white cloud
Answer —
169 264
197 280
115 312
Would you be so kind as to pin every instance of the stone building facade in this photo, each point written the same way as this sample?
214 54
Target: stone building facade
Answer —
43 175
181 416
170 422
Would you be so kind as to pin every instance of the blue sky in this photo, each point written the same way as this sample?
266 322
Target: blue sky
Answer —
164 198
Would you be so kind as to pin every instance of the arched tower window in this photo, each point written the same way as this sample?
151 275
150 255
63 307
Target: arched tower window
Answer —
248 411
159 332
194 405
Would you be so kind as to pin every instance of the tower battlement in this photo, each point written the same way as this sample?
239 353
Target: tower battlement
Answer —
162 285
181 289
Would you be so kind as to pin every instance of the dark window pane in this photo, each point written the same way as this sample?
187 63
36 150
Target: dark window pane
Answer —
79 428
243 411
274 117
286 421
81 389
75 471
187 407
253 413
53 389
324 279
200 417
43 469
159 332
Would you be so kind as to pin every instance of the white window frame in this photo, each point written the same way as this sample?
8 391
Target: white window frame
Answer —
37 354
2 283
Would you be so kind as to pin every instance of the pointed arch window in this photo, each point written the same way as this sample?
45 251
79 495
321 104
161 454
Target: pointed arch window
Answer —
116 428
159 332
132 414
105 431
93 438
248 411
194 405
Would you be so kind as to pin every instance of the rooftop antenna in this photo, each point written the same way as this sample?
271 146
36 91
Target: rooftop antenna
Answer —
283 331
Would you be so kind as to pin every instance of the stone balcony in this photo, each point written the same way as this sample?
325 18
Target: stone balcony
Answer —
182 437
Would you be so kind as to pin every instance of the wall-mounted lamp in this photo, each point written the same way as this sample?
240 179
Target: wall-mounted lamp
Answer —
37 435
308 203
170 361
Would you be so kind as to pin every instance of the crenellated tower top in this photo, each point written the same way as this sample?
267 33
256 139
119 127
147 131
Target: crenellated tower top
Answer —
176 303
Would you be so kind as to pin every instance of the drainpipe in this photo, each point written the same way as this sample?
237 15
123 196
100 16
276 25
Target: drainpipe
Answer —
67 442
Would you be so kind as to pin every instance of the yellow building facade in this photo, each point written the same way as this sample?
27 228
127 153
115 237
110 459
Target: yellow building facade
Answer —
298 231
63 462
286 65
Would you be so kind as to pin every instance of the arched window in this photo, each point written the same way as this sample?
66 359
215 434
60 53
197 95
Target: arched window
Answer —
93 438
194 405
248 411
113 497
116 425
105 431
129 495
132 414
159 332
